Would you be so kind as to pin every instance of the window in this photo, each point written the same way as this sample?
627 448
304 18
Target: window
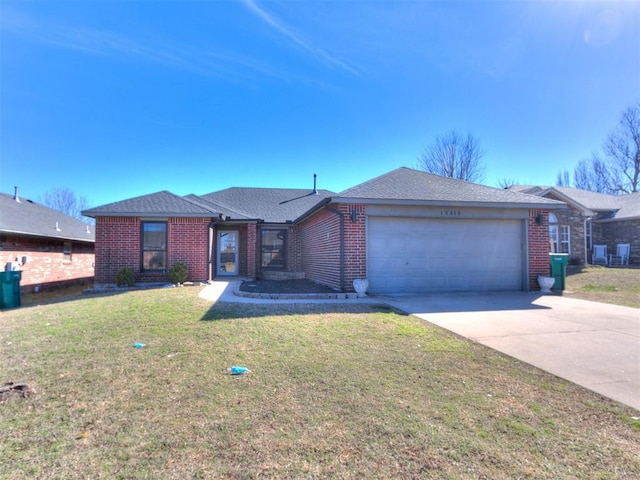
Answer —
559 236
273 243
589 236
154 246
565 239
66 252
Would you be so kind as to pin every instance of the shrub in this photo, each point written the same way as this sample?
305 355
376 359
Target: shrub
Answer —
125 277
178 273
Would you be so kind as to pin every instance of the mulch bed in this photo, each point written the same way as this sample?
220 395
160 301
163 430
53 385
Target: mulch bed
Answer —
283 286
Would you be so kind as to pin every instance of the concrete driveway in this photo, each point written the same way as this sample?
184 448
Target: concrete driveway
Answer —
595 345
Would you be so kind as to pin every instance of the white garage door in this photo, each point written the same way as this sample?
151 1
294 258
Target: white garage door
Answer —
430 255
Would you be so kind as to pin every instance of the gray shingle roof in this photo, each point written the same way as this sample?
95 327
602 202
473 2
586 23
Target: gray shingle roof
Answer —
163 203
27 217
280 205
629 207
406 184
591 200
609 207
276 205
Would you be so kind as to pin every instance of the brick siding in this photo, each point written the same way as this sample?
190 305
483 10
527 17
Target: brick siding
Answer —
604 233
330 247
118 246
613 233
322 244
576 222
187 243
251 250
320 240
46 266
355 243
538 247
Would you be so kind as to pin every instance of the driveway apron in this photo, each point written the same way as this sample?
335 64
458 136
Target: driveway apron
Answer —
592 344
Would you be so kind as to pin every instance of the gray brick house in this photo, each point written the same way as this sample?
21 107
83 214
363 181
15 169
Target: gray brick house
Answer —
591 219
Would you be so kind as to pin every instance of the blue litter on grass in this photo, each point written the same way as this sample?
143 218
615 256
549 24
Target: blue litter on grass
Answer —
138 345
238 370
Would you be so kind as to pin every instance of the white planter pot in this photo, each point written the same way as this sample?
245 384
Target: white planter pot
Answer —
360 285
545 283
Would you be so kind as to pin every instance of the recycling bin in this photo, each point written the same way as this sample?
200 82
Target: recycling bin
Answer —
10 289
559 263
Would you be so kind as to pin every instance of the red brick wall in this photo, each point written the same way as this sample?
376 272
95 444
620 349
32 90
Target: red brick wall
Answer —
187 243
538 247
251 249
355 256
118 246
46 266
321 245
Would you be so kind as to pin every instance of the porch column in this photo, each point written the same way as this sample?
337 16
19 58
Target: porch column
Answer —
252 245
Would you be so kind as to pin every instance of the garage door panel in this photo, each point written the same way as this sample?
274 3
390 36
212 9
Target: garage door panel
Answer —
431 255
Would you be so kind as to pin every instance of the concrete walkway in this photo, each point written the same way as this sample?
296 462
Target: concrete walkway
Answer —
592 344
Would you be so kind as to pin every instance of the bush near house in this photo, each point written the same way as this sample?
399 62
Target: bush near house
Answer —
125 277
178 273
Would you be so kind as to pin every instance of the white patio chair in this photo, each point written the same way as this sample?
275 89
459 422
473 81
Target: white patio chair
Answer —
621 258
599 256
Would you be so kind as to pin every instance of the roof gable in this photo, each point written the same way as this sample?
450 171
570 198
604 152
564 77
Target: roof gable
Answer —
406 184
162 203
26 217
604 206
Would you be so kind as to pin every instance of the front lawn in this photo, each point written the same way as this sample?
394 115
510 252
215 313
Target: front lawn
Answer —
334 392
620 286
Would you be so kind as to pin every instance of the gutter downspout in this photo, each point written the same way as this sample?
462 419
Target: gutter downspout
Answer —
586 252
341 216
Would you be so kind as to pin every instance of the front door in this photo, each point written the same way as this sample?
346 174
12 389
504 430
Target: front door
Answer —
227 252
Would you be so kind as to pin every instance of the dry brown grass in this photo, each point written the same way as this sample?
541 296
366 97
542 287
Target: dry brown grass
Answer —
335 392
620 286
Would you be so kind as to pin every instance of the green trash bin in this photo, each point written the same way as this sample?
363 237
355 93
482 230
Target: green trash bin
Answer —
10 296
559 263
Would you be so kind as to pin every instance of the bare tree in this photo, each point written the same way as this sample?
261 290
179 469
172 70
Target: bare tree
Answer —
563 179
507 182
617 171
454 155
594 174
65 201
622 148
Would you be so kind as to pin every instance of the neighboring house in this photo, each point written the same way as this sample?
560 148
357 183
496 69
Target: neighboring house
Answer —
406 231
50 248
591 219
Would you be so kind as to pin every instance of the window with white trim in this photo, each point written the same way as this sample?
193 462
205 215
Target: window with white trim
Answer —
559 236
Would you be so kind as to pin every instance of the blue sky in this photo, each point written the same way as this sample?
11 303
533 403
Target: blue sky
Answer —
117 99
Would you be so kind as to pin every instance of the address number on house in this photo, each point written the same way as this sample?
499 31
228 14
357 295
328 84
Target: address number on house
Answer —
450 213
